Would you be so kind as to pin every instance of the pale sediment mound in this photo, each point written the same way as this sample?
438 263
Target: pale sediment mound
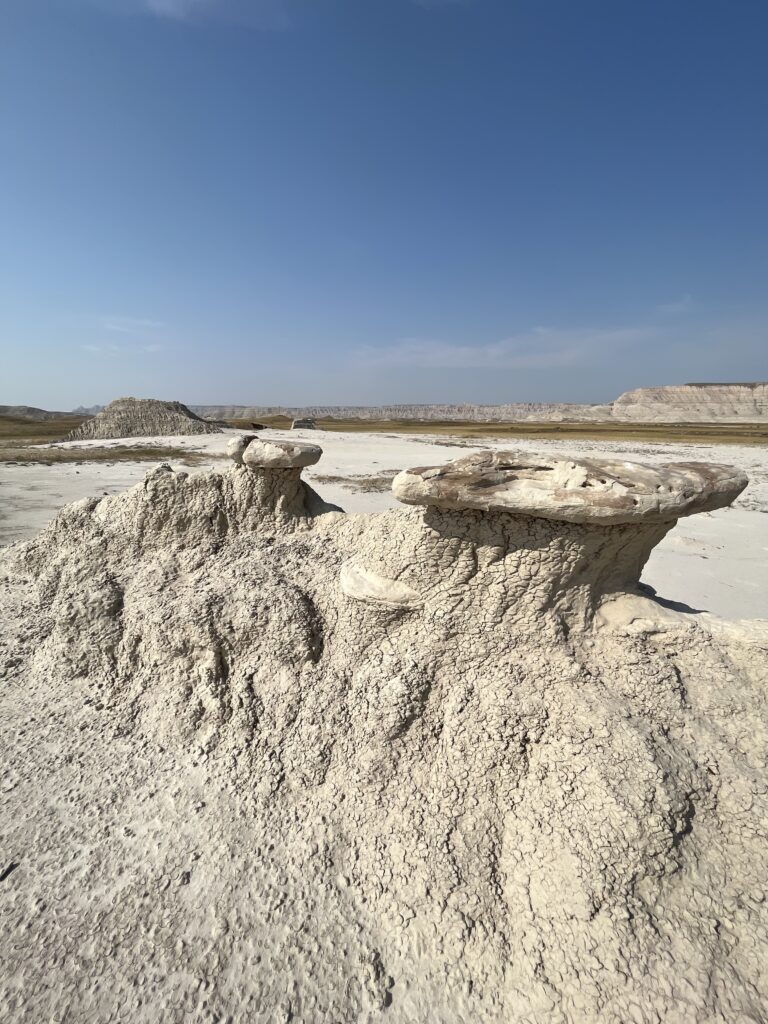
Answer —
445 763
142 417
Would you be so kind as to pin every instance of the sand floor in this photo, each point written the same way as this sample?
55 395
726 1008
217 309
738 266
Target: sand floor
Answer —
716 561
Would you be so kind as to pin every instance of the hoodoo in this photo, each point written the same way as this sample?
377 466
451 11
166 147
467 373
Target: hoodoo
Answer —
303 765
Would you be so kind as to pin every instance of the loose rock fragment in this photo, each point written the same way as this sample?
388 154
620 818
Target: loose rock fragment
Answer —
367 586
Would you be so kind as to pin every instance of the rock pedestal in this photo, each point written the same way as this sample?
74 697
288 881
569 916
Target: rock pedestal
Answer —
274 473
512 534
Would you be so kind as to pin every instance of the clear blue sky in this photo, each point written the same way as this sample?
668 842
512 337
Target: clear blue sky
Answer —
338 201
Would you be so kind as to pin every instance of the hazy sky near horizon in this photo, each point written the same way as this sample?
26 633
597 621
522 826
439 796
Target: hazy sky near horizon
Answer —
366 201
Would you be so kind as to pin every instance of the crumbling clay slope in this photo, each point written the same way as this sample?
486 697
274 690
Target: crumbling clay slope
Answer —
270 762
142 417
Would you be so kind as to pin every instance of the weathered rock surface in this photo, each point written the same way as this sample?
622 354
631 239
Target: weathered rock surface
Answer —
280 454
694 403
236 447
267 761
142 417
575 491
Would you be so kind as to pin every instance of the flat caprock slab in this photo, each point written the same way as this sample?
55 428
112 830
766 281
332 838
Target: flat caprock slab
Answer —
556 487
260 453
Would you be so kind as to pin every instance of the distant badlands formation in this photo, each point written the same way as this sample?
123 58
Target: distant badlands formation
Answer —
686 403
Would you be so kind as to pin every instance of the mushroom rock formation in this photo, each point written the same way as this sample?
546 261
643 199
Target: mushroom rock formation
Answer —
442 763
567 531
273 471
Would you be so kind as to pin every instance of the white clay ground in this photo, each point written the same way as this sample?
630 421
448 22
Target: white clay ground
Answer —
716 561
268 763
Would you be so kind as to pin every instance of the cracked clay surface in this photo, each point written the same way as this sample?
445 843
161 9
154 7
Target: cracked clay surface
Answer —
268 762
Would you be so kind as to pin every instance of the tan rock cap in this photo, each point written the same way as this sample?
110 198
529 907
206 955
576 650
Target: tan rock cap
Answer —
583 490
263 454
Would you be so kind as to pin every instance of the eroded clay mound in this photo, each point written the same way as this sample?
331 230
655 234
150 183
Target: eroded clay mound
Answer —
273 762
142 417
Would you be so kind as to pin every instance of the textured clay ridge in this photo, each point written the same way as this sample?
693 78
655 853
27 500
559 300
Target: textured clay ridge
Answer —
271 762
142 417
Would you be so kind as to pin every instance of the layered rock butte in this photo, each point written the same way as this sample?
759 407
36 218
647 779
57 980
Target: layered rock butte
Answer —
271 762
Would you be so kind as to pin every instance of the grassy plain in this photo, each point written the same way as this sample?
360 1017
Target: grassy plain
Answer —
703 433
21 440
16 430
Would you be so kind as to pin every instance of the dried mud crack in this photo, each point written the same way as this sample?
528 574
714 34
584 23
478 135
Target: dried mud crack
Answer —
269 761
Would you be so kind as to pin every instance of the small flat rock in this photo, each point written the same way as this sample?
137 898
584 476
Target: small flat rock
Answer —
260 454
585 490
362 585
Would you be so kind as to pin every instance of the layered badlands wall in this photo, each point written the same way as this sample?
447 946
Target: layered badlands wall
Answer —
686 403
271 762
695 403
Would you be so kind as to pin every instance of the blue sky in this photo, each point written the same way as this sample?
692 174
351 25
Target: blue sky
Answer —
363 201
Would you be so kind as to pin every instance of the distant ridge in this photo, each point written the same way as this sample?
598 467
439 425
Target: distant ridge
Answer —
87 410
682 403
705 402
29 412
480 413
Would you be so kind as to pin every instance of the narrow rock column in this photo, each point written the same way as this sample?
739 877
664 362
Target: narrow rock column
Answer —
270 471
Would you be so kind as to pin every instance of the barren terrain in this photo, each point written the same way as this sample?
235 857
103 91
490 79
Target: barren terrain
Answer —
267 761
717 561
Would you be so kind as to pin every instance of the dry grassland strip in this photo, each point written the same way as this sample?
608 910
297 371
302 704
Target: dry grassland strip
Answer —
22 442
702 433
16 430
78 456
